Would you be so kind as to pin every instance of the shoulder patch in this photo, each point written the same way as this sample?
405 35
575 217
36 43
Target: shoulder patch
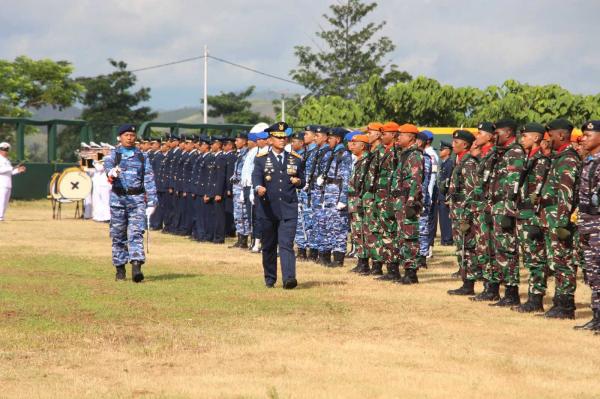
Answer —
262 153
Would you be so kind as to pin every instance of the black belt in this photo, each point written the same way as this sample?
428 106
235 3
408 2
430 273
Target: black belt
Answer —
457 197
130 191
331 180
398 193
589 209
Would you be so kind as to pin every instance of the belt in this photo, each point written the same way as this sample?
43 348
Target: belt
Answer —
331 180
397 193
130 191
589 209
458 197
545 202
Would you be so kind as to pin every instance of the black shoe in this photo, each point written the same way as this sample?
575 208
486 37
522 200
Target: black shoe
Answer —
511 297
270 285
243 242
564 308
490 293
301 255
377 269
410 277
361 264
136 271
313 255
238 243
534 303
593 324
338 259
466 289
393 273
325 258
289 284
120 275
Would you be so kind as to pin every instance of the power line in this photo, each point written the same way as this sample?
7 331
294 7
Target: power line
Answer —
168 64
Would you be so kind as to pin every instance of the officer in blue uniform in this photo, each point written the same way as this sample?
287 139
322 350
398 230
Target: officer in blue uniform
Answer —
132 201
156 221
276 176
170 160
446 168
214 197
200 187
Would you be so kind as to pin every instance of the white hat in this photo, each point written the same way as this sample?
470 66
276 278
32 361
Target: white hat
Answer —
4 146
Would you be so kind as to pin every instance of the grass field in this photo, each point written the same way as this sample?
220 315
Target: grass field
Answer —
203 325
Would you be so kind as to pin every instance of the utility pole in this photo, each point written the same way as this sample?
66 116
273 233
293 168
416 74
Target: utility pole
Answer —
205 84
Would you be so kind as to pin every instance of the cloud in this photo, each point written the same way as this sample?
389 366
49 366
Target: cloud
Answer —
461 42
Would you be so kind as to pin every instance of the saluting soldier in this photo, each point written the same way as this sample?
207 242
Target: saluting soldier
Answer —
276 176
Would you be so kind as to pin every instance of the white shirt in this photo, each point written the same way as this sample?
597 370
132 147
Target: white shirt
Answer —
248 167
6 172
435 162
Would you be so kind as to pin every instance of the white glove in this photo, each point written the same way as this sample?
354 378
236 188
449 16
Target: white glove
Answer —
251 197
241 200
150 210
114 172
340 206
320 181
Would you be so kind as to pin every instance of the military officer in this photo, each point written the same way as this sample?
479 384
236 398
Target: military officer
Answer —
305 224
276 176
443 213
7 171
215 193
240 216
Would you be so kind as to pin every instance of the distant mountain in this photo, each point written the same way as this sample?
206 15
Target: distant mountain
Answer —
46 113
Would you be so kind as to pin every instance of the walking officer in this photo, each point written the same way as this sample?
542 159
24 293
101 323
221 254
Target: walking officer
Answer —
132 201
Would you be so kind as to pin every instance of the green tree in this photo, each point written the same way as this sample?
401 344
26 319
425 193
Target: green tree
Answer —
351 55
330 111
234 107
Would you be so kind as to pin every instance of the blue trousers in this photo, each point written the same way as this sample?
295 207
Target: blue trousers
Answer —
278 233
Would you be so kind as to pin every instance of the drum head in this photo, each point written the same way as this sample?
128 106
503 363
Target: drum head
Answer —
74 184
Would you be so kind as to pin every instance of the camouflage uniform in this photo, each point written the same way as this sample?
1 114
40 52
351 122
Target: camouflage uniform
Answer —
305 226
386 222
355 206
370 226
240 216
314 194
424 218
558 200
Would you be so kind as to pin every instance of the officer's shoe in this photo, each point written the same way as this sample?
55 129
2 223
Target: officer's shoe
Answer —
364 266
564 308
534 304
490 293
238 243
136 271
120 275
376 270
313 255
325 259
466 289
338 259
290 284
301 255
511 297
243 242
410 277
393 273
593 324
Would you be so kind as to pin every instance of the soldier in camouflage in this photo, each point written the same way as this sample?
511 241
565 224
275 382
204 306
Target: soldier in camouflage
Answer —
558 199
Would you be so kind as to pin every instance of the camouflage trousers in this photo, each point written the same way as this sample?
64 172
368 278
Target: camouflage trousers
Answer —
533 250
468 265
424 236
127 225
408 241
315 205
357 234
240 214
370 228
305 221
560 261
590 243
331 224
387 245
484 264
506 252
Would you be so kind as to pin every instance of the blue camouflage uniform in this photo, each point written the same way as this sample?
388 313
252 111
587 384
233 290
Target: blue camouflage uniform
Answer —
314 194
131 192
425 214
305 226
240 215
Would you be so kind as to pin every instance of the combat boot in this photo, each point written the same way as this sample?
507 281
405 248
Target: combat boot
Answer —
376 270
490 293
301 255
393 273
136 271
511 297
564 308
466 289
338 259
358 266
238 243
120 275
364 266
410 277
243 242
534 304
313 255
593 324
421 262
325 258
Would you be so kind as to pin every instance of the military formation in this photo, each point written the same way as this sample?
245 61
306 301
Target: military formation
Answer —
505 196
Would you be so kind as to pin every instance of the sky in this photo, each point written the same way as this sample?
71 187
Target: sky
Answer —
458 42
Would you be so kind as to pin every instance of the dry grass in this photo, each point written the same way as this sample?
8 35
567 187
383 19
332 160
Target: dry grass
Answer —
203 325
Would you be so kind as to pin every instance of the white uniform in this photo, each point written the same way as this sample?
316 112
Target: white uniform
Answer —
6 173
100 194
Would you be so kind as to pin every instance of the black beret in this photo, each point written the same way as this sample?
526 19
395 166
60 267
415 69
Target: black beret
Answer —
559 124
228 139
157 139
464 135
338 132
174 137
204 139
507 122
311 128
533 127
242 135
214 139
591 125
184 137
445 144
298 136
322 129
128 127
487 127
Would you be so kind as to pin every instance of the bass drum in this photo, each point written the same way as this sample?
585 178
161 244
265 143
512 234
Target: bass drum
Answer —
52 193
74 184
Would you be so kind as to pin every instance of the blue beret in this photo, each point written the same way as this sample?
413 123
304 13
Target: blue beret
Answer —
428 133
289 131
127 128
252 137
349 136
262 136
338 131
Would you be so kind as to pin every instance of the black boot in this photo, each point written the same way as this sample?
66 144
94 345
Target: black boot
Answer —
136 271
313 255
359 266
466 289
511 297
564 308
410 277
338 259
301 255
393 273
593 324
243 242
376 270
535 303
490 293
238 243
120 275
364 266
325 258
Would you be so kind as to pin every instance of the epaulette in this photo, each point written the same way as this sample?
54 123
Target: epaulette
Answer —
294 153
262 152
